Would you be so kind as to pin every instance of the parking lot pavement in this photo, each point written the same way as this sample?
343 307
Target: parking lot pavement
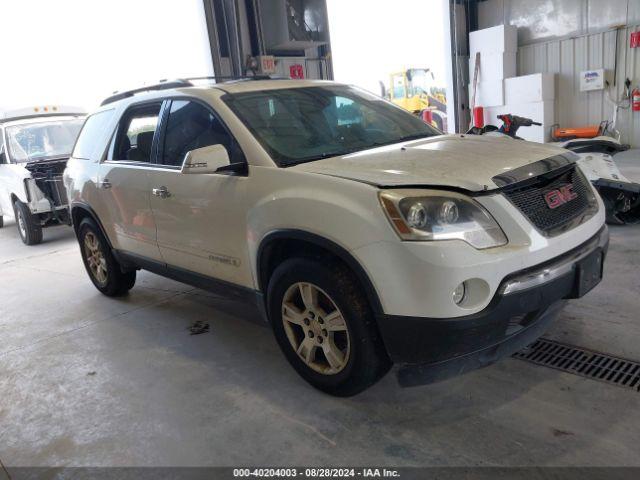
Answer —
93 381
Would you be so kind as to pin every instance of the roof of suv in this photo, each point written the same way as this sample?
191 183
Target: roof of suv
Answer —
259 85
234 86
40 119
40 113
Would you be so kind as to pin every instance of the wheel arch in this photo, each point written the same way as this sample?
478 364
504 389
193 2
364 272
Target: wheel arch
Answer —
80 211
274 246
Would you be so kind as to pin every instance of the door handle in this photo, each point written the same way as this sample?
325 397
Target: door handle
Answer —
161 192
105 183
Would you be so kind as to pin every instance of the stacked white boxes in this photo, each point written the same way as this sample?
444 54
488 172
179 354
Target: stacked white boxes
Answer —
500 92
531 96
497 47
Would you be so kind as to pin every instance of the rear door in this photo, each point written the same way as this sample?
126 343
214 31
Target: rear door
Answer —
201 219
124 185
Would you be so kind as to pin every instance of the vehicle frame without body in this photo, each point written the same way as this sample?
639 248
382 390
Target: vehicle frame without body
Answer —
35 144
620 195
363 236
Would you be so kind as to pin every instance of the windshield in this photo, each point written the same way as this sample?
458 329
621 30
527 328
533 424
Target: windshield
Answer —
298 125
32 142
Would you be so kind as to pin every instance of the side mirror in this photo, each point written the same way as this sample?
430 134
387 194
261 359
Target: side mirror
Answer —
205 160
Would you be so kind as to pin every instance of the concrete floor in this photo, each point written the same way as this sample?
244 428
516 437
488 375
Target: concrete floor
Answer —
91 381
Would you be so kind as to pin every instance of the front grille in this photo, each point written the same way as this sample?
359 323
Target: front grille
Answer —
530 200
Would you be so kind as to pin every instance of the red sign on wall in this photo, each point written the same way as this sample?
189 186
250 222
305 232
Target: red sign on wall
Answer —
635 40
296 72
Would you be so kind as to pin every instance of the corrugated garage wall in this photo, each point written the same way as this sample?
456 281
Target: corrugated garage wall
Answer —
567 58
568 37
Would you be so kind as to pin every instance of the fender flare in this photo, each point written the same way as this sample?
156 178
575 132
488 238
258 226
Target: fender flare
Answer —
92 214
326 244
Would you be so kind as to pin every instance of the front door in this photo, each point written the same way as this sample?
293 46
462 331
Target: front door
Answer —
124 183
200 218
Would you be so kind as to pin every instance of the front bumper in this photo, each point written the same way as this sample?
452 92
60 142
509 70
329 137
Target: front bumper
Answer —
430 350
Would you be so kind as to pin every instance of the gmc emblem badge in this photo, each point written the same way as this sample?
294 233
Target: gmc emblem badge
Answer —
557 198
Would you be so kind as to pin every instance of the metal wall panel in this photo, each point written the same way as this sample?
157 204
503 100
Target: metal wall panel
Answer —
568 57
545 20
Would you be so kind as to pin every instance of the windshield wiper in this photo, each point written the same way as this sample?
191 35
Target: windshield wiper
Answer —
417 136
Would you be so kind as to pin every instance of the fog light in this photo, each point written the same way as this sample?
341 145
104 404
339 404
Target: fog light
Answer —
460 293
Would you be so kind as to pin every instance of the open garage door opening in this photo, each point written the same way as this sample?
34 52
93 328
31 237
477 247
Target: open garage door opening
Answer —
393 50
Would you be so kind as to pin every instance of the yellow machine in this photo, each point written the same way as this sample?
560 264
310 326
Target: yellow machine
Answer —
414 90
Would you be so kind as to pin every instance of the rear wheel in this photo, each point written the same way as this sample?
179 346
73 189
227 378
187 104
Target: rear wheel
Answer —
103 269
1 221
325 327
28 226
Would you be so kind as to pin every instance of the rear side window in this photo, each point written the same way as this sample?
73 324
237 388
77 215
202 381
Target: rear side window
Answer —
136 130
89 142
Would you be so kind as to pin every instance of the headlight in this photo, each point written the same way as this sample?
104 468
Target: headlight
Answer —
435 215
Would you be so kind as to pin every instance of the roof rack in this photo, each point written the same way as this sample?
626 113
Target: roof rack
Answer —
177 83
230 78
162 85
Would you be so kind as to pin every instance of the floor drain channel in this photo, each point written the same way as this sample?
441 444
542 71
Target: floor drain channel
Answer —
583 362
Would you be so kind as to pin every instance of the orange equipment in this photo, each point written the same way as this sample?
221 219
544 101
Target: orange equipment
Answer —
591 131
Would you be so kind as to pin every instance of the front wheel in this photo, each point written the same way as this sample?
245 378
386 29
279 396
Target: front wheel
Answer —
28 225
103 269
325 327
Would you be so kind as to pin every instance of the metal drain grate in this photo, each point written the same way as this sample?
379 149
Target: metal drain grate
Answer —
583 362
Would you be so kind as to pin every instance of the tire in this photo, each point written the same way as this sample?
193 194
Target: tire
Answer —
30 231
1 221
102 267
360 359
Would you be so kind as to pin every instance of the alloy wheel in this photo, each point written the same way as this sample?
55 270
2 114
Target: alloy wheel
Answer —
316 328
95 258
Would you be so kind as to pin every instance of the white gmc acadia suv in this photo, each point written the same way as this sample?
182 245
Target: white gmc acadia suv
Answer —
364 236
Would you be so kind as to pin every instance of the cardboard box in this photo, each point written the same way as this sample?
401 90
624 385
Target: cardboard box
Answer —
494 66
539 87
489 94
503 38
543 112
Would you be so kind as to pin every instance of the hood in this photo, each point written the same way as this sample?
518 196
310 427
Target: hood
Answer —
468 162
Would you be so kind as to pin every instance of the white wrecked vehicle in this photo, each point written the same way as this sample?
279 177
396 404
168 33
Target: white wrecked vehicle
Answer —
35 144
621 196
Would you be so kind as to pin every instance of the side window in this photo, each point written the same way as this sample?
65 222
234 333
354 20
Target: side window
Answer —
91 137
135 133
191 126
